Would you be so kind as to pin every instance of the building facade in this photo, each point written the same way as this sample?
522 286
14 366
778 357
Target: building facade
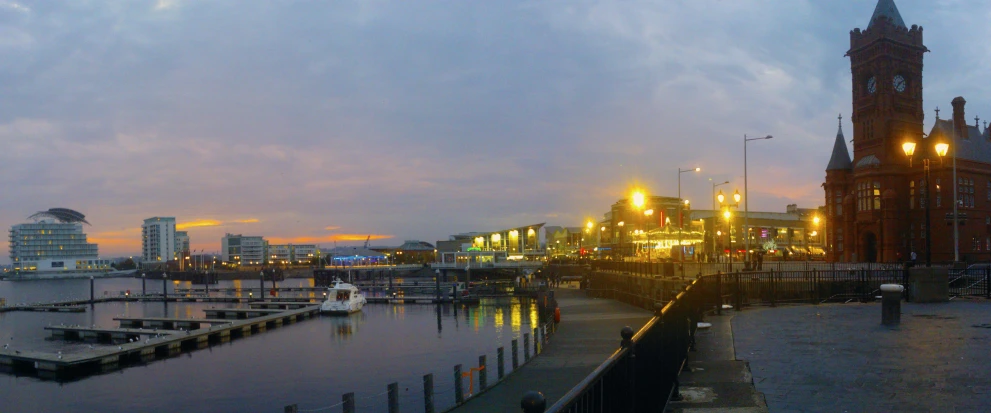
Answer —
244 250
876 201
55 242
182 243
158 239
288 254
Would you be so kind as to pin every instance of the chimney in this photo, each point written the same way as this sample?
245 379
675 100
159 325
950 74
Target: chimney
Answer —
959 122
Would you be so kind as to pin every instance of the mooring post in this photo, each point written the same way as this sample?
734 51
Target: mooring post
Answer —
533 402
536 341
143 288
483 375
459 392
261 286
437 283
393 389
428 393
501 359
292 408
165 287
348 400
91 301
516 354
526 347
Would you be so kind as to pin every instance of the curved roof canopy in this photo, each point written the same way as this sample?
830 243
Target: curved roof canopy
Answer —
64 215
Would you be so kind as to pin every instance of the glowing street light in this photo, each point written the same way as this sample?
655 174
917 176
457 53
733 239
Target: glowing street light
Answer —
941 149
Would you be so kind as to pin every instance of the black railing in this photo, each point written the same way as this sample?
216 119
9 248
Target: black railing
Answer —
642 374
972 281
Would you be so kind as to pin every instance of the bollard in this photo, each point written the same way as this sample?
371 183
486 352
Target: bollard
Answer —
348 400
393 390
483 375
891 304
501 359
438 286
292 408
428 393
165 287
91 301
516 355
526 347
143 293
459 390
533 402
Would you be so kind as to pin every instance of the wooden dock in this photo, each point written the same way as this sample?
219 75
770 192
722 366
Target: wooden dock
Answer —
168 323
46 308
76 365
105 335
239 313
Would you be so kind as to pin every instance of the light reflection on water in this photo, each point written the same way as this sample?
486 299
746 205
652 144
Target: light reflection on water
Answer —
311 363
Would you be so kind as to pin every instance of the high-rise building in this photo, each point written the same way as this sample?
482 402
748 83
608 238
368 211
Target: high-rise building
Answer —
181 242
158 239
244 250
55 242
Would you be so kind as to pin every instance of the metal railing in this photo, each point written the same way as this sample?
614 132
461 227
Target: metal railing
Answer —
643 373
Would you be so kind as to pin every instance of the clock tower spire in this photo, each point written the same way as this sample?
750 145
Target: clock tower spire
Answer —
886 63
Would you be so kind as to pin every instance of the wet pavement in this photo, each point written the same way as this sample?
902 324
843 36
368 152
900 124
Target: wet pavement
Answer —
839 358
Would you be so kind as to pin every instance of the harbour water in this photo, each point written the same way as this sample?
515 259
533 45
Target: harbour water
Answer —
310 363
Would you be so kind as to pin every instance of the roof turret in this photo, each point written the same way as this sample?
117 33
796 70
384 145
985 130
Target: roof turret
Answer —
887 9
840 160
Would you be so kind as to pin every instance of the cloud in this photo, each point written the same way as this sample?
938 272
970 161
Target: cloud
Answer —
328 238
248 221
332 228
198 223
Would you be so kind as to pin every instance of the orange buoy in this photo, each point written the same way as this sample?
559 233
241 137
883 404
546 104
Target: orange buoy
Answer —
557 315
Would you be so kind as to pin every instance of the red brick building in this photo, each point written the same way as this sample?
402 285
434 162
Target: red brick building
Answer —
875 202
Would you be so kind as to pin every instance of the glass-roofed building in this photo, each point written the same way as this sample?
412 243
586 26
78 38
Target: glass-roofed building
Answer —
54 244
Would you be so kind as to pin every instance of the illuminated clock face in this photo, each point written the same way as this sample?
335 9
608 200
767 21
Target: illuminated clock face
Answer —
871 85
899 83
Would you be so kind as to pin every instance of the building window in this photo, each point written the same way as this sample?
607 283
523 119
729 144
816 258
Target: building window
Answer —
911 195
877 194
965 192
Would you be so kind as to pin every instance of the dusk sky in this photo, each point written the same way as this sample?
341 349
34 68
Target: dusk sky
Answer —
316 121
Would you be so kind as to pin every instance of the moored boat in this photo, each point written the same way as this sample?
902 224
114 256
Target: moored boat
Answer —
343 298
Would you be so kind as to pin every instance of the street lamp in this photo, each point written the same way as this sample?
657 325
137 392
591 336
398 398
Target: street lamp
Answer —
620 225
940 148
726 214
746 206
681 213
648 213
598 245
714 218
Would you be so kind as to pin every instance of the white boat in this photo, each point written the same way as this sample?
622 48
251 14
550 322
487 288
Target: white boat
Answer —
343 298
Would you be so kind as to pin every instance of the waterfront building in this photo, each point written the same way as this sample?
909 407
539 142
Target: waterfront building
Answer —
285 254
793 234
182 243
512 244
351 256
876 201
243 250
410 252
158 239
54 242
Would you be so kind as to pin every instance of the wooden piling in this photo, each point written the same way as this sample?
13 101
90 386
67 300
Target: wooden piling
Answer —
459 391
393 390
428 393
500 358
483 376
526 347
516 354
348 399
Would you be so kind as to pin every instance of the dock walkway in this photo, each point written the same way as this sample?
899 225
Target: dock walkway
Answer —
587 335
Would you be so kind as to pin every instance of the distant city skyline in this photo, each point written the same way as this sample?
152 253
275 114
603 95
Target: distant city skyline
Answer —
322 122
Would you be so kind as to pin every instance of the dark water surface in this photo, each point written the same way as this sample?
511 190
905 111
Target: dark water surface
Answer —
310 363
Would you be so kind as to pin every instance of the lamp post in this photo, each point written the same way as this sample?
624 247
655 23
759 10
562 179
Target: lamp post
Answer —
746 206
648 213
714 216
940 149
729 229
621 224
681 221
598 250
588 231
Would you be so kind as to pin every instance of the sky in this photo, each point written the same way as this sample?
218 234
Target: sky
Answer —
332 121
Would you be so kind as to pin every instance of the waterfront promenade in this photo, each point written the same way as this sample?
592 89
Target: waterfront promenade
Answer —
587 335
838 357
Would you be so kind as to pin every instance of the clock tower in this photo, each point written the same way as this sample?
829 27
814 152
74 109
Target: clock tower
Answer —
886 63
